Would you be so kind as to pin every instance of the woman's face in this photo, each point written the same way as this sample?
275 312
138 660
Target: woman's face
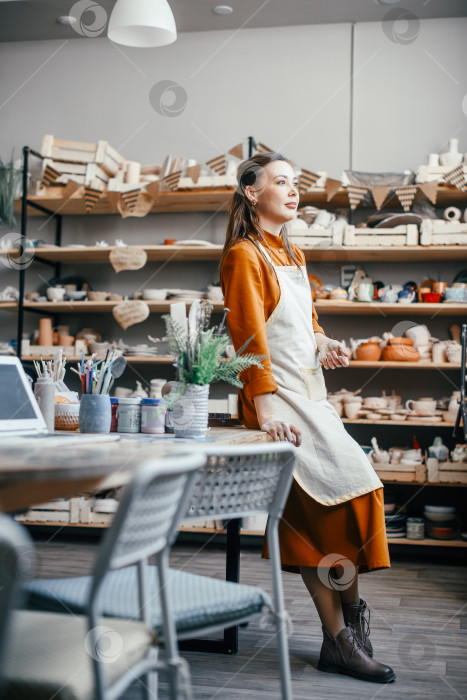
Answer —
276 192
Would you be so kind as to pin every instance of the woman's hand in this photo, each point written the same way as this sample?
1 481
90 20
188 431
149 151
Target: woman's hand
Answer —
280 431
277 428
333 354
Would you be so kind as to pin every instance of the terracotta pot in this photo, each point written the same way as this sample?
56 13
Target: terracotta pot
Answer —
400 353
400 341
368 352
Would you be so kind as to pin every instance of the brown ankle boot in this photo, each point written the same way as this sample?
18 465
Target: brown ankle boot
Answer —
354 615
344 654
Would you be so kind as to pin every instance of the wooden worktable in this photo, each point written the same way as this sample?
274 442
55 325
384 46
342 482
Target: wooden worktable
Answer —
34 470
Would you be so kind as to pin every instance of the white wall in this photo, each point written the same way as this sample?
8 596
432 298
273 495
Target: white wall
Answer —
288 87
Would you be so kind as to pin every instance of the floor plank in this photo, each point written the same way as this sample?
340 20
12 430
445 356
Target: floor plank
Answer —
418 621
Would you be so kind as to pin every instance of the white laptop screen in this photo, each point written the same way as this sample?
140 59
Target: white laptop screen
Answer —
18 407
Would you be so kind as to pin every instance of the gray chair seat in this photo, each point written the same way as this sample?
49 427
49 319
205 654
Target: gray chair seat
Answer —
47 657
197 602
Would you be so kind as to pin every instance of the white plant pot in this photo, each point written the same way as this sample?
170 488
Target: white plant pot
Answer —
190 412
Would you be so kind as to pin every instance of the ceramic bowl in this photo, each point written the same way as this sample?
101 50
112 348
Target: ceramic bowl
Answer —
440 509
439 517
154 294
76 296
375 402
431 298
373 416
55 293
398 416
454 294
97 296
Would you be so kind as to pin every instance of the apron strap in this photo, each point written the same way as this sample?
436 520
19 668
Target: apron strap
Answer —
263 250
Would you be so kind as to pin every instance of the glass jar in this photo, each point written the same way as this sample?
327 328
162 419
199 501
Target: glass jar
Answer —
129 415
153 416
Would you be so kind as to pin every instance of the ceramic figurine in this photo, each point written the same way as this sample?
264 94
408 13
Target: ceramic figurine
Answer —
439 450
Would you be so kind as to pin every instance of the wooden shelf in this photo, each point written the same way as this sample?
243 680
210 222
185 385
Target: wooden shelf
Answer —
428 542
323 306
214 200
331 307
71 307
354 364
248 533
382 364
93 254
365 421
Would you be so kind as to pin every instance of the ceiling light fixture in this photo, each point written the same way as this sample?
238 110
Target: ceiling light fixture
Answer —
388 2
222 9
142 23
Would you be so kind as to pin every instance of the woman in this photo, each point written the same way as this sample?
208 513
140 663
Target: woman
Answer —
334 516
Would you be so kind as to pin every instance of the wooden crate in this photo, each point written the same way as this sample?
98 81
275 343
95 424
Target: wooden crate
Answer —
446 472
401 472
384 237
91 174
440 232
434 173
325 237
100 153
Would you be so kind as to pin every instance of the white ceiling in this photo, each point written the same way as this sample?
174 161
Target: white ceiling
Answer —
27 20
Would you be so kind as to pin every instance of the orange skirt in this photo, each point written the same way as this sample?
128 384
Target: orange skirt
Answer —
355 530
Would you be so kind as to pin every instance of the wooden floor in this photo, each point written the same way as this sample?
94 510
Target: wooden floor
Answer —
418 626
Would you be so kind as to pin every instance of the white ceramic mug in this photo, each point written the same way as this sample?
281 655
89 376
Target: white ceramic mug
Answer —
323 219
423 407
352 409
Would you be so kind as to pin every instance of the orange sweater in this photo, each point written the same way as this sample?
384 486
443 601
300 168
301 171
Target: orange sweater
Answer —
251 292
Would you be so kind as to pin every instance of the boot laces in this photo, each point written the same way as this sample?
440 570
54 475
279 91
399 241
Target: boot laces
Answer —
356 643
364 624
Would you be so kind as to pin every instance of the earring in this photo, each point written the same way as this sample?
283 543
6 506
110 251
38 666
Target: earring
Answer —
253 201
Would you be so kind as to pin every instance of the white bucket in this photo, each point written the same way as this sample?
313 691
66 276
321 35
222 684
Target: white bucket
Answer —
190 412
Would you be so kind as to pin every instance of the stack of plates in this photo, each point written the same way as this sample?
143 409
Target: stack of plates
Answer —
142 350
395 523
186 295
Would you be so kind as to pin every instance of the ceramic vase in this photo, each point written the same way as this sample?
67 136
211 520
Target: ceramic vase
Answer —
451 157
190 412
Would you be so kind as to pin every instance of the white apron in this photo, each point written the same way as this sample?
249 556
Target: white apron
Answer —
331 466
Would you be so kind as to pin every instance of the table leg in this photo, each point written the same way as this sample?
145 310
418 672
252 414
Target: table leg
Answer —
229 645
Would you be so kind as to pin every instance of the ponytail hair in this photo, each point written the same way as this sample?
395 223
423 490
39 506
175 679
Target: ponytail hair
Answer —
243 218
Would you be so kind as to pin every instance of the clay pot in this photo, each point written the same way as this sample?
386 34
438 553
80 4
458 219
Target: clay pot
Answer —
400 353
66 340
368 352
400 350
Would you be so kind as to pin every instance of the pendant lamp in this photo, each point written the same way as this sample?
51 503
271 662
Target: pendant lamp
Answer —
142 23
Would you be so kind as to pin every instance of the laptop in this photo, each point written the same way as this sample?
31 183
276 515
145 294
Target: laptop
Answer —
20 415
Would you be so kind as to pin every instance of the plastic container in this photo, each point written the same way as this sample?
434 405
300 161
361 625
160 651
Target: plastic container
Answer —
129 415
44 391
113 411
94 413
152 416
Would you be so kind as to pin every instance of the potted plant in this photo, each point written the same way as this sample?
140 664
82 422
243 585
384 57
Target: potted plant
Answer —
200 360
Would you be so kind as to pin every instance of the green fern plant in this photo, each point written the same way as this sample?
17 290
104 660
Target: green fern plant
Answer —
200 351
